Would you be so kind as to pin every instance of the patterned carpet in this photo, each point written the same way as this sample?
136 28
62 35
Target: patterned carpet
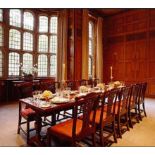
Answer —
141 135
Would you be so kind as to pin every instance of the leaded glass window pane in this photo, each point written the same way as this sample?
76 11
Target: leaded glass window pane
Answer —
1 63
14 39
1 15
27 62
53 24
42 65
13 64
53 65
53 44
27 41
28 21
15 17
43 43
1 36
43 24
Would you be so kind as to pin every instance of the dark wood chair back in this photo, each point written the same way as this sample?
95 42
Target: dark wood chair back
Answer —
142 92
71 84
96 81
134 96
124 99
83 82
48 85
108 103
89 105
25 89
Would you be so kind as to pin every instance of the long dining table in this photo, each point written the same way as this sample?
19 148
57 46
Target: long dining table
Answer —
53 108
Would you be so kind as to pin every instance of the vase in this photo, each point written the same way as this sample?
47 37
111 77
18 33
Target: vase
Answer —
28 78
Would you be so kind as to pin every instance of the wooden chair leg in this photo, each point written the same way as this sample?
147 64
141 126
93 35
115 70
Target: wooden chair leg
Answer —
94 139
144 109
19 123
127 122
137 119
28 131
139 112
114 132
48 139
119 128
101 137
130 121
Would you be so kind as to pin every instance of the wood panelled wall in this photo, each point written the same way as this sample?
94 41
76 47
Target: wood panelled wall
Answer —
129 46
74 53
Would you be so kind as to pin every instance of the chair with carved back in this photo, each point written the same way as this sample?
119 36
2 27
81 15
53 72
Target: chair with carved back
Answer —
79 127
122 108
51 86
48 85
65 114
26 113
71 84
133 101
83 82
105 116
141 100
95 82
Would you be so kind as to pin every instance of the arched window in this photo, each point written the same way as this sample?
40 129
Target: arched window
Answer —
14 64
27 41
14 39
15 17
1 63
27 61
28 21
43 24
42 65
1 36
1 15
53 65
90 48
43 43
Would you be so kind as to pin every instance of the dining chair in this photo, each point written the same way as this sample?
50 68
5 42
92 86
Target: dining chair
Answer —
105 116
26 113
83 82
141 100
71 84
79 127
48 85
133 102
122 106
95 82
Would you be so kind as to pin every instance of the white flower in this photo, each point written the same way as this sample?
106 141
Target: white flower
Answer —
29 70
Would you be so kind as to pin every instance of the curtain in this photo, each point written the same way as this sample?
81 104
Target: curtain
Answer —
85 44
62 46
99 54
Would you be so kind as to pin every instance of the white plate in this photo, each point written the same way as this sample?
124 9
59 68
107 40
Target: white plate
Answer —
45 105
59 100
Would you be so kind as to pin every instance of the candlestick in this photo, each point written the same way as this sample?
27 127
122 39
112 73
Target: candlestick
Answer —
111 76
93 71
63 72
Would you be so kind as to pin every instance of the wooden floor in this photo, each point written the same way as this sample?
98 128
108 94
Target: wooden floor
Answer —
141 135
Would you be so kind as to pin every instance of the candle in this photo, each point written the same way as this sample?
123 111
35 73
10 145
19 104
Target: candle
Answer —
63 72
111 73
93 71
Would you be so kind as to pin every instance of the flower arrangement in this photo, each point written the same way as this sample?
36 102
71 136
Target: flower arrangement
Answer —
117 83
47 94
29 70
83 89
101 85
